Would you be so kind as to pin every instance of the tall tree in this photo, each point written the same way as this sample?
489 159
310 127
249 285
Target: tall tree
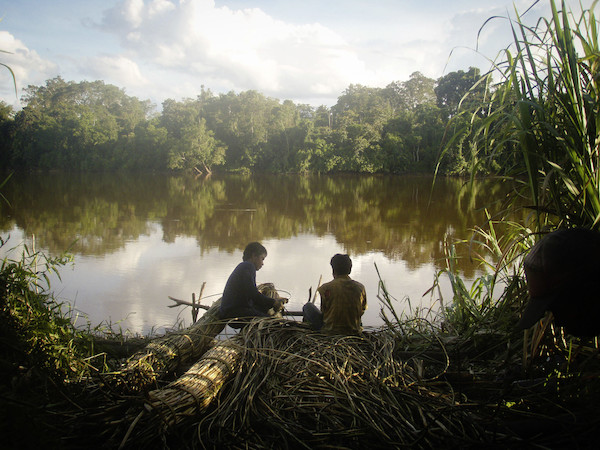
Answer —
408 95
452 89
190 145
6 132
75 125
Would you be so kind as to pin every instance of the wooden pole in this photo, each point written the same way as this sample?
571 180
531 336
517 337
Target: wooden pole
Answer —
201 291
194 310
195 306
317 289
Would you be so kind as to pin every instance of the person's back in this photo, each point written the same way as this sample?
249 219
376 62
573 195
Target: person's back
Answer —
241 298
239 292
343 302
562 277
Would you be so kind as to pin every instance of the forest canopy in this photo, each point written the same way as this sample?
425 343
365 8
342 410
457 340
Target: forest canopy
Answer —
97 126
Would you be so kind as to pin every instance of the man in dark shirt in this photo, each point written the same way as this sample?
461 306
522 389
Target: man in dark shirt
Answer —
241 298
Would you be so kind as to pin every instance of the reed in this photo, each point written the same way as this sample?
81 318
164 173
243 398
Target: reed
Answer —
37 330
542 120
300 389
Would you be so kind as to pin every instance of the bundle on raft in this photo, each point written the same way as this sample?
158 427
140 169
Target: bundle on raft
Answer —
169 353
174 351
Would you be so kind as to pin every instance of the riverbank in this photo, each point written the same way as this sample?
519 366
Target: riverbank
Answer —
411 383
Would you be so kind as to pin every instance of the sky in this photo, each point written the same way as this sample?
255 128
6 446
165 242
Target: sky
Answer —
307 51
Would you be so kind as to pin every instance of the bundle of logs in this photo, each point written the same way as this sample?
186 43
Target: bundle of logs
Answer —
192 392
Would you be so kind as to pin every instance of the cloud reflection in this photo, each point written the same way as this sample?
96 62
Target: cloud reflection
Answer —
130 287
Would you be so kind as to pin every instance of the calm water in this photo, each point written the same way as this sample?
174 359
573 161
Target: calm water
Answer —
137 239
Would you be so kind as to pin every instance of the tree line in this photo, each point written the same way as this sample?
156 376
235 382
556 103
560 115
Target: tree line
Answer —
97 126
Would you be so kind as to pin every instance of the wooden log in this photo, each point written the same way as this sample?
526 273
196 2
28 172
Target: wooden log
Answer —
194 390
173 351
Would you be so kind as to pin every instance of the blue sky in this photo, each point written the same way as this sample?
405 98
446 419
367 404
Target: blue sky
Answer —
307 51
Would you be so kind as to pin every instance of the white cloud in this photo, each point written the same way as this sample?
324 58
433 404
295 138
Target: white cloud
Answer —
26 65
160 6
246 47
117 70
308 51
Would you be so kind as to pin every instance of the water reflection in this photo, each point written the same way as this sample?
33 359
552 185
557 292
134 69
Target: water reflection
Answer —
140 238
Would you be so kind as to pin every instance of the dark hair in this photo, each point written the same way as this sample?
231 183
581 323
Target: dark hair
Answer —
341 264
253 249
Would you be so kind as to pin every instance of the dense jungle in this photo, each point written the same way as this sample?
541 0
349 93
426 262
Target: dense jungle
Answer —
95 126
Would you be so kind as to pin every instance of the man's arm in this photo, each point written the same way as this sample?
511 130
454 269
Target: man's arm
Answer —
260 299
249 286
364 299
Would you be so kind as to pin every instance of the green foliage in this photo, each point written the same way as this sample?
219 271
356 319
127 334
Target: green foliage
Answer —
38 340
94 126
452 89
189 144
408 95
71 125
542 121
6 133
497 295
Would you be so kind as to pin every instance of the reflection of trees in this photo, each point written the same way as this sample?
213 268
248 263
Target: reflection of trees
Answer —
190 205
87 213
399 216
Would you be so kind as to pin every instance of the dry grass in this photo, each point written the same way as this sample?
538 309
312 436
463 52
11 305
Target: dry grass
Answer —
279 385
296 388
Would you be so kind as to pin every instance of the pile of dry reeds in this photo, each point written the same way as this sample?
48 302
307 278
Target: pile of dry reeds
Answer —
279 385
296 388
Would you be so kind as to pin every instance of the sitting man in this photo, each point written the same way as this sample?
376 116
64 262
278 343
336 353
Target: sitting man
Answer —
241 298
343 301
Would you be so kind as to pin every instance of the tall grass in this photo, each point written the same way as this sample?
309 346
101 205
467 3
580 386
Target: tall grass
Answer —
37 335
543 120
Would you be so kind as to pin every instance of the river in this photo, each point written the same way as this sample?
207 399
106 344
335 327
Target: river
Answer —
139 238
